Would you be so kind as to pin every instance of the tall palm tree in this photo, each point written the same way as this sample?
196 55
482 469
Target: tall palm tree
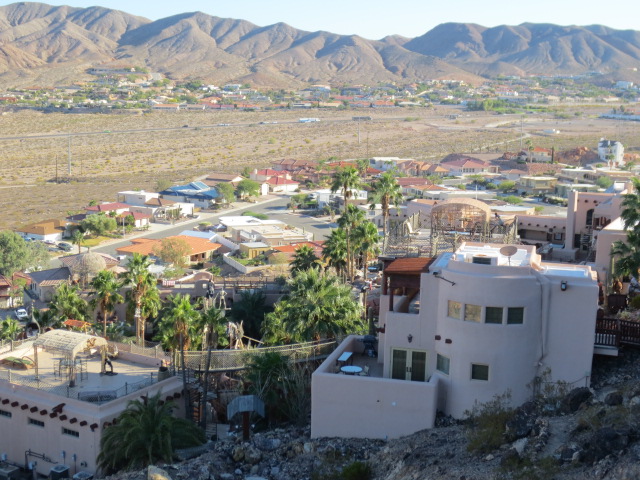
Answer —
105 295
346 179
178 322
335 251
214 320
144 290
386 191
366 241
351 217
304 258
68 304
146 433
317 306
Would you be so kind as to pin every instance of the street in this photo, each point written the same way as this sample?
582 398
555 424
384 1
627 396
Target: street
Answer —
276 209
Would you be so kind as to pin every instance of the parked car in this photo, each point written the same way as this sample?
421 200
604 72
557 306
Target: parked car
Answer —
21 314
65 247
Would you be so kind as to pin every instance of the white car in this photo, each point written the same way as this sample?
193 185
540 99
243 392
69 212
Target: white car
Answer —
21 314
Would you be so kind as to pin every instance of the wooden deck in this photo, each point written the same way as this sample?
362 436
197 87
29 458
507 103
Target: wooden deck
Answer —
612 333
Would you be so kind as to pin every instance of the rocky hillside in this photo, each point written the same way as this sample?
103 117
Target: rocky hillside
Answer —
585 434
44 44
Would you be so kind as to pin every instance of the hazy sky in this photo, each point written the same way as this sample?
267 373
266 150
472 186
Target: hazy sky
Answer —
375 19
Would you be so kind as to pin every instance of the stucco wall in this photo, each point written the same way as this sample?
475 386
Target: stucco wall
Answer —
368 407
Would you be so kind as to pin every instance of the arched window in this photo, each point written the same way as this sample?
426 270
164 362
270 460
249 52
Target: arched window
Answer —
590 217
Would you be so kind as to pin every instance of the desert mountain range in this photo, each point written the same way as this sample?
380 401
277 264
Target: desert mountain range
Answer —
44 45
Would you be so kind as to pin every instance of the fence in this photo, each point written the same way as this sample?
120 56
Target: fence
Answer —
226 360
64 390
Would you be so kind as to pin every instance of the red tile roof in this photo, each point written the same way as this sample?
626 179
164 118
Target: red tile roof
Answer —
281 181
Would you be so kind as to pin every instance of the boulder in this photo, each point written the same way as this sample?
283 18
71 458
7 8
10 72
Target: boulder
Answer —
252 455
522 423
155 473
603 442
575 399
613 399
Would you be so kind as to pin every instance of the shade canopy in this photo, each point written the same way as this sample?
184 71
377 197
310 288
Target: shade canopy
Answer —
68 343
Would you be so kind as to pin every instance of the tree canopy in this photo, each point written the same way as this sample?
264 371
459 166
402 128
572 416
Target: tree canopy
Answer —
248 188
16 254
173 251
146 433
317 306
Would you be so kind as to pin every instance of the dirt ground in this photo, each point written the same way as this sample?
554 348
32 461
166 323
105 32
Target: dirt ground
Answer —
101 154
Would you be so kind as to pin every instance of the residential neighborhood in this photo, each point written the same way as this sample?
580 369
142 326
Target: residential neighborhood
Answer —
382 264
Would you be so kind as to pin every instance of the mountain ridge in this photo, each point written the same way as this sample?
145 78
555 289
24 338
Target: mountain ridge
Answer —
40 41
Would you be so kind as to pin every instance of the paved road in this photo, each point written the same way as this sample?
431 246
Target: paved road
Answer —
275 208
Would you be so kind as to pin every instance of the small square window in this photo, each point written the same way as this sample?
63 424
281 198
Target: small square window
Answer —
442 364
515 315
479 372
472 313
4 413
493 315
454 309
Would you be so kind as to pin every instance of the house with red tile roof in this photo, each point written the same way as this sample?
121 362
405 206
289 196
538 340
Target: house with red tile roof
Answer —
289 251
200 249
282 184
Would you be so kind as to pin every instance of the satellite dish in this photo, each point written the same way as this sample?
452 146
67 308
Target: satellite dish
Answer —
509 251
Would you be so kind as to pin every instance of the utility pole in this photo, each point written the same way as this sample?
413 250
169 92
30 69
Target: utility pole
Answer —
521 121
56 169
69 154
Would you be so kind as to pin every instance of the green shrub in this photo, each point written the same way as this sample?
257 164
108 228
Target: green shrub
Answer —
356 471
487 423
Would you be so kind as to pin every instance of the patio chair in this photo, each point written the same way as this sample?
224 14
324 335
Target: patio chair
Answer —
365 371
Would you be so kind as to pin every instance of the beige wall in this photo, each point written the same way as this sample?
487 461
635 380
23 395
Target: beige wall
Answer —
368 407
49 440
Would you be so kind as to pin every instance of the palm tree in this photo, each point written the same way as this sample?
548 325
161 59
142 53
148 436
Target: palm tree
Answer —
366 241
146 433
105 295
628 252
362 164
250 309
77 237
143 292
215 322
386 191
10 328
317 306
346 179
178 322
304 258
630 213
335 251
67 303
351 217
628 255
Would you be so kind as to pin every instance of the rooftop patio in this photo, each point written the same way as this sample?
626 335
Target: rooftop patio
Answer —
79 375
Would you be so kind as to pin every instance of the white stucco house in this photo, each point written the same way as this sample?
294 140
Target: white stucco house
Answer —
611 152
459 328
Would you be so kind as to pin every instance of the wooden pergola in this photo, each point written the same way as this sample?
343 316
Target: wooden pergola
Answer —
69 344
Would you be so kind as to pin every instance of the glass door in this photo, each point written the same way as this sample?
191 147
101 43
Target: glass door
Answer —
409 365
